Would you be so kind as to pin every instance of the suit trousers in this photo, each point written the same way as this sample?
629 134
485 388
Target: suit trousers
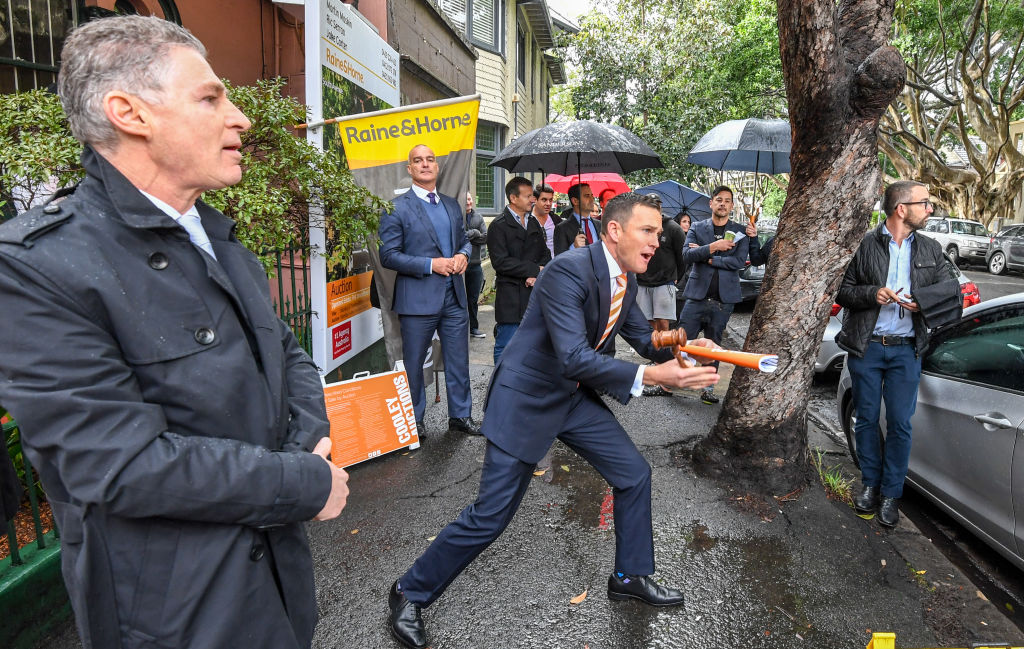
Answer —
891 374
591 431
474 282
452 326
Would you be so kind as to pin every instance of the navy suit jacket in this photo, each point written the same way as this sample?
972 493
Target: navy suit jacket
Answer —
728 263
552 354
408 242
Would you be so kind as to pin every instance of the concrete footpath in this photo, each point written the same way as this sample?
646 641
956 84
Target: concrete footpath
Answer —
802 573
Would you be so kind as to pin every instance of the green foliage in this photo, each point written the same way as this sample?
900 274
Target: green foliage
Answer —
38 154
670 70
837 484
284 174
774 199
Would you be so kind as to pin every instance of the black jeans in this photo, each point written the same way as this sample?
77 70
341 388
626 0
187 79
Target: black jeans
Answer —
474 282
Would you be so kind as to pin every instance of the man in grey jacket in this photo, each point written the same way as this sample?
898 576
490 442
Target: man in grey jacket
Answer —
178 428
894 280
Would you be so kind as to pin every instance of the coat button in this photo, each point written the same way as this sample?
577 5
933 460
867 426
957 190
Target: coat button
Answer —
204 335
51 208
158 261
256 553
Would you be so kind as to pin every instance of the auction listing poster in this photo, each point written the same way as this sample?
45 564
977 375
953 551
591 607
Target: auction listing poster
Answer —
349 69
354 324
370 416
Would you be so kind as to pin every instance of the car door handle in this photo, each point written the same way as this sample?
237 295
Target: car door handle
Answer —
990 420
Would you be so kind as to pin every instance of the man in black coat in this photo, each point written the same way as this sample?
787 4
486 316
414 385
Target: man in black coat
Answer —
170 413
577 229
518 252
476 232
894 282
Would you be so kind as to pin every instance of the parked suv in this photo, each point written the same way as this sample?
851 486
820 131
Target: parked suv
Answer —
964 241
1006 250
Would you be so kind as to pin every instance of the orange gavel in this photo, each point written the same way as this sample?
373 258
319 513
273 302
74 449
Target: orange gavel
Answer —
676 339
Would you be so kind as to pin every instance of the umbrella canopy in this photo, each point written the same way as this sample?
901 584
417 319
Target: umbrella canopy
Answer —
598 182
578 147
676 197
758 145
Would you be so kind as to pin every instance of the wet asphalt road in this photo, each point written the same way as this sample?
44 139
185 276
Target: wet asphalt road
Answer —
802 573
993 575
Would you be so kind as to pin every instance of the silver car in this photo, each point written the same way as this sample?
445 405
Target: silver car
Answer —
965 455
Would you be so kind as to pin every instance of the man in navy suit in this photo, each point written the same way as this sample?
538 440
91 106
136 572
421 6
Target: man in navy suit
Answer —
716 259
546 385
424 240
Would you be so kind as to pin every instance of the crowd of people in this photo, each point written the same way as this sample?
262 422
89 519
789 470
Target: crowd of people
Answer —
180 431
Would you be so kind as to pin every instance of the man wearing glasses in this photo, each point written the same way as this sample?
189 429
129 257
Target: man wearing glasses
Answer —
893 275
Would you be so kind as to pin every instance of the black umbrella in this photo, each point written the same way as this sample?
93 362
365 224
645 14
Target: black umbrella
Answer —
758 145
578 147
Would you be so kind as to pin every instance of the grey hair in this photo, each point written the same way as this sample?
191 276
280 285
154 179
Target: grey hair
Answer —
125 53
898 192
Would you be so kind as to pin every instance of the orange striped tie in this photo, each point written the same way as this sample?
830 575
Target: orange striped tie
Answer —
616 307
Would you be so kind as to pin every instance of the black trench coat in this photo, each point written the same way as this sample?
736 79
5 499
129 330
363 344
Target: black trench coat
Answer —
169 413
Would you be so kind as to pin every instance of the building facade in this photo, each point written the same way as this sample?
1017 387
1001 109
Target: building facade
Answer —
515 71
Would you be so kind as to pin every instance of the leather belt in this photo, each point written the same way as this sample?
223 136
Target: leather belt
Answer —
893 340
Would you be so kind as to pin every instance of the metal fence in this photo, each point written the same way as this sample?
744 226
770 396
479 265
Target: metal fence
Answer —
289 290
29 482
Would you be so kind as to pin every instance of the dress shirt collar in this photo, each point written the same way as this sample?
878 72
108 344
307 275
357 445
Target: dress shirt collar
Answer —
422 193
170 211
613 266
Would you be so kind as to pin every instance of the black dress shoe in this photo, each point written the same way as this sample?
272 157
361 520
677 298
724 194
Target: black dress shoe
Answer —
463 425
889 511
421 430
867 500
406 623
644 589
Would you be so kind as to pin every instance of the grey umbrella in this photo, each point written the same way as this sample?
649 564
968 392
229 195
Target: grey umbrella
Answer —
577 147
758 145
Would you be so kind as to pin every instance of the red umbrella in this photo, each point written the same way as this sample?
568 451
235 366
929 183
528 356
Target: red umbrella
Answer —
598 182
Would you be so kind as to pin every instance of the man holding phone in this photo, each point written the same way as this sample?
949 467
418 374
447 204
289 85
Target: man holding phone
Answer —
884 331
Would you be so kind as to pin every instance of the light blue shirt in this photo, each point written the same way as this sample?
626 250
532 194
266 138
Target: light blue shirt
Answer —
890 322
613 272
595 237
438 219
189 220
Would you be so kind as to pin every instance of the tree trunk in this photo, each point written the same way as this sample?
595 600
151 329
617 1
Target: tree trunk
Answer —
840 77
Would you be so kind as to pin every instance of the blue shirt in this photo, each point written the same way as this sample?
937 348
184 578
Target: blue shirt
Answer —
439 219
590 225
890 322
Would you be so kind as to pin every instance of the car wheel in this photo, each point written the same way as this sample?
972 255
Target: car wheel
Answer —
997 263
849 422
954 254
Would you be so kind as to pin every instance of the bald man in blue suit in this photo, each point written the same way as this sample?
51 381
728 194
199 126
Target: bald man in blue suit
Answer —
424 240
546 385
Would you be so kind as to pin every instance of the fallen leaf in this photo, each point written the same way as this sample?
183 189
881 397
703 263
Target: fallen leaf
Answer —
921 572
431 538
883 563
540 472
984 623
356 531
1009 607
579 598
565 467
980 595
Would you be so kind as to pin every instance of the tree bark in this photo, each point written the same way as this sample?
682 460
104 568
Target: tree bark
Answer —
840 77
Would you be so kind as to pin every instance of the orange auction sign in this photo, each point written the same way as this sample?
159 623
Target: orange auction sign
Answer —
348 297
370 416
